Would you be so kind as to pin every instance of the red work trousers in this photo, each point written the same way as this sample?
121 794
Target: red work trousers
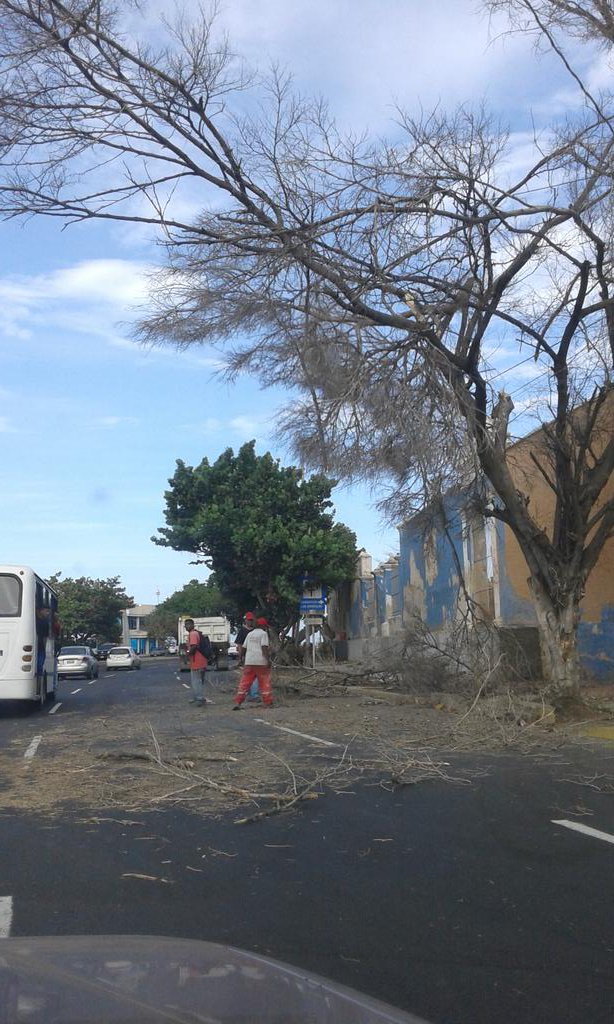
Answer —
263 674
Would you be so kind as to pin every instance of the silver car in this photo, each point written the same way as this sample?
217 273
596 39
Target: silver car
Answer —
77 661
122 657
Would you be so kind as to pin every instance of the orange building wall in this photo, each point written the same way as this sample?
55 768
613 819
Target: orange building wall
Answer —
600 584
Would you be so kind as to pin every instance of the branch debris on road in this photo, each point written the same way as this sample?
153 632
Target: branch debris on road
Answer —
156 751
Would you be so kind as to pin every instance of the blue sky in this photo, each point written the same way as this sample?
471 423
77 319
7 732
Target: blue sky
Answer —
91 424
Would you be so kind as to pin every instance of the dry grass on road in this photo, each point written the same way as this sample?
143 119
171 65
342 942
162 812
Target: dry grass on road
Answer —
160 751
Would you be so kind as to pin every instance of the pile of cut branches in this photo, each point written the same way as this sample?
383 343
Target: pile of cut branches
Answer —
389 767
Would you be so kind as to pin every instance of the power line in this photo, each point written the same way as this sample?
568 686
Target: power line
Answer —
508 369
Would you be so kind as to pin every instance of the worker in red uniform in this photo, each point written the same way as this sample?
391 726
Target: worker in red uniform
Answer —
257 665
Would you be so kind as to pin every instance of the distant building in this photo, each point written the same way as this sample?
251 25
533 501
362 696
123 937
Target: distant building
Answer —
134 628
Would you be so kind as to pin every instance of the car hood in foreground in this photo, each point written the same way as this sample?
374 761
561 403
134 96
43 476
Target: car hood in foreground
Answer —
101 979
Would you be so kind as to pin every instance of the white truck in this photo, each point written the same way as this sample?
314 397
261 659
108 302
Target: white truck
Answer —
216 627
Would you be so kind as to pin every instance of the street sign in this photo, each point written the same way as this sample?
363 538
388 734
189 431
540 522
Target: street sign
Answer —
313 620
313 599
317 605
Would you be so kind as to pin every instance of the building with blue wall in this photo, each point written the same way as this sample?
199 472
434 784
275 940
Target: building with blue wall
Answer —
449 561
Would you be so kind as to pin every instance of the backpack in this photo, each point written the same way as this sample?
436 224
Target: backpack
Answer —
204 646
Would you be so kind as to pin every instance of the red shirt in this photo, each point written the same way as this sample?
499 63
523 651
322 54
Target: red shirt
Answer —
196 660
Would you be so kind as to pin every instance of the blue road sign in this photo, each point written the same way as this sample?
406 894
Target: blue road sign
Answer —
313 599
312 604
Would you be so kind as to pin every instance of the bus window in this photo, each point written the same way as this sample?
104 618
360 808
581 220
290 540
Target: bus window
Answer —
10 595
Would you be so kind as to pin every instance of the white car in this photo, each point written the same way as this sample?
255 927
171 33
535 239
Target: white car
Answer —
122 657
77 661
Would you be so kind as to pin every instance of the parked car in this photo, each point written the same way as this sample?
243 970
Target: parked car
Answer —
233 650
77 661
122 657
158 652
102 650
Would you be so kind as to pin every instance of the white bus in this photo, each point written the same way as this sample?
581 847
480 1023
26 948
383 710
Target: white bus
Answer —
28 624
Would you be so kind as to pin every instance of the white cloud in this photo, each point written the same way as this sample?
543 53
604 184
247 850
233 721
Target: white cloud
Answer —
112 421
211 425
370 55
69 295
10 328
6 426
601 74
113 282
246 426
50 528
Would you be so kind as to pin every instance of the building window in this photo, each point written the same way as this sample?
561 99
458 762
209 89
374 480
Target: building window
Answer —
133 622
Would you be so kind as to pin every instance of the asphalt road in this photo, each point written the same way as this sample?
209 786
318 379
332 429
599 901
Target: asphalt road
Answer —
463 904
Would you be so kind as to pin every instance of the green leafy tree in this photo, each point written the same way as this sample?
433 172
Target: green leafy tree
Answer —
261 526
161 624
195 599
90 609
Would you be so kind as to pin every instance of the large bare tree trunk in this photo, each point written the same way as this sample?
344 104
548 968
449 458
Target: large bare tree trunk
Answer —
558 636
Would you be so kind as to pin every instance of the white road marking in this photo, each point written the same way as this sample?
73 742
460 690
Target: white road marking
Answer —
76 691
186 686
30 752
303 735
91 683
56 707
6 916
586 830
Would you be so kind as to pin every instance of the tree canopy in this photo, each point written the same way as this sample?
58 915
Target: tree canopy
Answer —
195 599
90 610
261 526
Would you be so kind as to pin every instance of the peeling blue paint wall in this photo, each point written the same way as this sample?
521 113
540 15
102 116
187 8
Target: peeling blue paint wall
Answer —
595 639
596 645
361 607
515 610
380 597
425 581
427 564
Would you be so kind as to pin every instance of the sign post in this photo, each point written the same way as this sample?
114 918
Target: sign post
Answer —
312 605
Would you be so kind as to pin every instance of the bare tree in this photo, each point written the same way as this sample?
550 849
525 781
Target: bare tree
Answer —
372 278
585 19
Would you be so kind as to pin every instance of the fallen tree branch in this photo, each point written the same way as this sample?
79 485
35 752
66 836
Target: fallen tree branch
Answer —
306 794
176 762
